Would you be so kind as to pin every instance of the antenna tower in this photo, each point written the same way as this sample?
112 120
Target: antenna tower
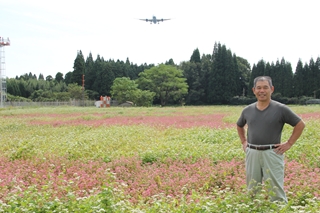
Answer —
3 84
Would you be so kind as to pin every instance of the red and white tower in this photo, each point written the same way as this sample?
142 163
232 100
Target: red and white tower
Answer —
3 84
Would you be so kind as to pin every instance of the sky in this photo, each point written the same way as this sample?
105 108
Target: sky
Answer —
45 36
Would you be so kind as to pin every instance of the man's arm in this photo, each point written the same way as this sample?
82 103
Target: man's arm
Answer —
242 136
296 133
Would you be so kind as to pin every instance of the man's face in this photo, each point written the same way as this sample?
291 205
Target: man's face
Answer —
263 91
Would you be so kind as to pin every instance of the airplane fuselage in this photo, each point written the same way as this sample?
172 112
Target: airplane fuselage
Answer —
154 20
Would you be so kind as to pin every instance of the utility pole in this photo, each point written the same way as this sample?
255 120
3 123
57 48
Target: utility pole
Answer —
3 84
83 90
314 93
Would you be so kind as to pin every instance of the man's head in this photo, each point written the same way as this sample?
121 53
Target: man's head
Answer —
262 78
263 88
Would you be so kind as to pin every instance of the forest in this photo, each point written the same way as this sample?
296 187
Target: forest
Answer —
210 79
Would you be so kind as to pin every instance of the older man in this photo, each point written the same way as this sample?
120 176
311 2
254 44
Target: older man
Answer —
262 143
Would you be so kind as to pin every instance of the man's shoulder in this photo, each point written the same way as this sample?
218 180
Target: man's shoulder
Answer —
250 106
277 104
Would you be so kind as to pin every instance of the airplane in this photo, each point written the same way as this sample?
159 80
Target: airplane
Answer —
154 20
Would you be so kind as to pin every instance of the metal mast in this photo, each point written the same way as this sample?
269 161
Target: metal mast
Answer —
3 84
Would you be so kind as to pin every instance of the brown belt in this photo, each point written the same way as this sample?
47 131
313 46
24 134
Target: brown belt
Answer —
261 147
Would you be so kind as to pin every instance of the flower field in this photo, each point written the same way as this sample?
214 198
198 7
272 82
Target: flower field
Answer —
171 159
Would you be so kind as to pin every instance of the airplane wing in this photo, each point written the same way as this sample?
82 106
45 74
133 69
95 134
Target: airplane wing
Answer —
162 19
146 19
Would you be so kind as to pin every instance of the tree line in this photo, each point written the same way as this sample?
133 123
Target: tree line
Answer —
217 78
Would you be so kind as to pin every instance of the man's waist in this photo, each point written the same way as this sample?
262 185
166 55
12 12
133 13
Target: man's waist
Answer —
261 147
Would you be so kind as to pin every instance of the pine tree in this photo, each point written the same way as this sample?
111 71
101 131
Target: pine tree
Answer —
287 79
78 69
223 78
191 71
257 70
90 75
59 77
317 74
170 62
98 68
314 76
41 77
195 56
206 67
308 79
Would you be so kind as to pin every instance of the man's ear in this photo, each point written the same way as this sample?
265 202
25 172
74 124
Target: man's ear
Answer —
272 89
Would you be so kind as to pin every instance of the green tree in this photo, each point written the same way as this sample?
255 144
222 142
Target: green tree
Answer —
41 95
31 85
224 76
105 76
120 69
195 57
234 73
298 80
124 89
132 70
49 78
143 97
206 67
59 87
313 79
68 77
98 69
78 69
196 72
22 88
282 77
62 96
257 70
41 77
13 87
166 81
286 79
170 62
30 76
316 93
192 72
43 84
91 74
269 69
59 77
276 79
76 91
245 73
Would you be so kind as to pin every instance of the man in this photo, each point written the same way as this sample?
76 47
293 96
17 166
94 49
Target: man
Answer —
262 143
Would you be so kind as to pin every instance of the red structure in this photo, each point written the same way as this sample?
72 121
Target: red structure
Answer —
4 42
105 101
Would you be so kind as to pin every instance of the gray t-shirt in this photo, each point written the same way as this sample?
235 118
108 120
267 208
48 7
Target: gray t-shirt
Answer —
265 127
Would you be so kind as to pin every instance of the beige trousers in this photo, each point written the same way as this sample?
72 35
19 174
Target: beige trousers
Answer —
267 165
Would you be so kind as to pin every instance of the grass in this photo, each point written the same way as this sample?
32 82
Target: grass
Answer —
171 159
